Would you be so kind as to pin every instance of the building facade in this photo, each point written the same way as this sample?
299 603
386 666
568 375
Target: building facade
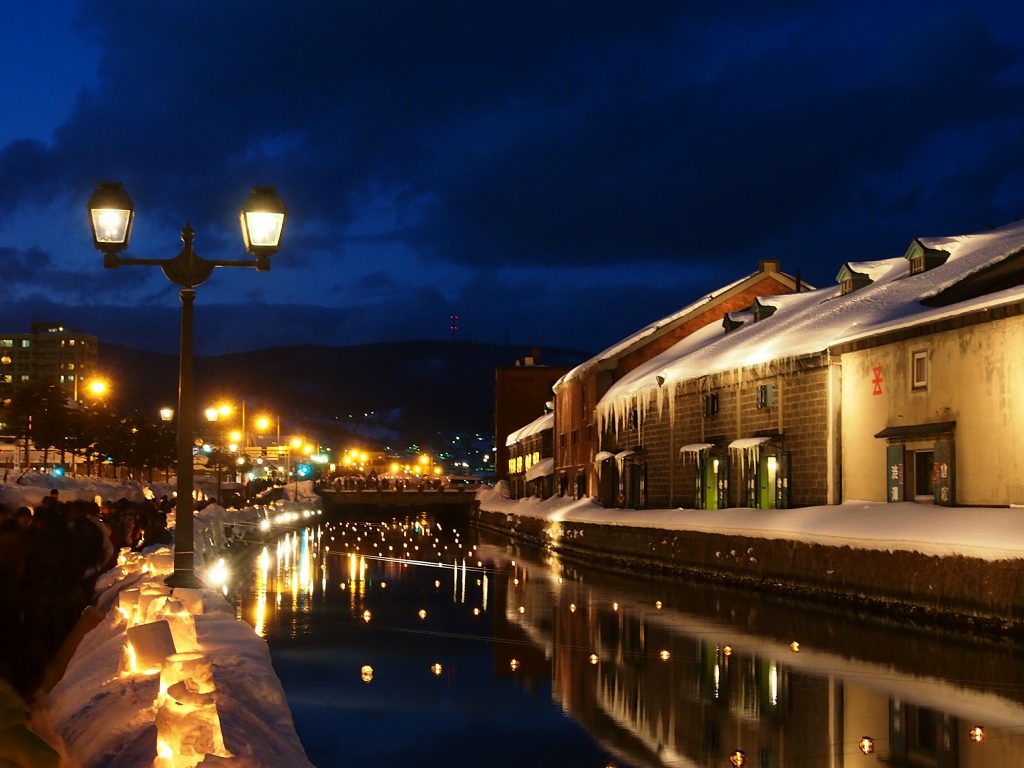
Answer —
521 391
531 459
582 467
49 353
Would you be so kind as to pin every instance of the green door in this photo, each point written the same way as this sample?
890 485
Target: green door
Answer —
767 471
709 474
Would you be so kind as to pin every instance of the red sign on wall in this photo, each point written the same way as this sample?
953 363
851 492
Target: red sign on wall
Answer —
877 381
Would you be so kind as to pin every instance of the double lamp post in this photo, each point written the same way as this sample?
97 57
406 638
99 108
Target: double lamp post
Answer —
111 215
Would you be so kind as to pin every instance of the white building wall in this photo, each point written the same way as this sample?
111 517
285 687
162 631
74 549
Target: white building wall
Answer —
975 377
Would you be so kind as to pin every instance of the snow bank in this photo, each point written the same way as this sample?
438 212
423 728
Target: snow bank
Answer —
987 533
105 712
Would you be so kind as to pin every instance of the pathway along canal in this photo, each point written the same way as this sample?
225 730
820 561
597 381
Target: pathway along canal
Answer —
413 642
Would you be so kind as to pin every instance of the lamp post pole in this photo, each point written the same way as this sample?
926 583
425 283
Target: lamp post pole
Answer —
111 215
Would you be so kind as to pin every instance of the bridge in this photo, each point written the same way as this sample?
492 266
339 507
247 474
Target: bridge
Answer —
369 499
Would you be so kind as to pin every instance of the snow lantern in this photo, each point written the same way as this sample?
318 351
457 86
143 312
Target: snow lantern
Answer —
147 647
182 624
192 599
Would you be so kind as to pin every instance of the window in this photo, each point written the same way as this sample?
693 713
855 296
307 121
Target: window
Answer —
711 404
26 343
766 396
919 370
24 377
917 264
6 342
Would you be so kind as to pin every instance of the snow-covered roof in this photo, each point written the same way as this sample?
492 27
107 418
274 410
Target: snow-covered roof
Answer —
815 321
538 425
542 468
648 331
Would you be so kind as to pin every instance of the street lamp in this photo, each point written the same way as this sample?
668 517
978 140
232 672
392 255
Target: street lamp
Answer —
111 215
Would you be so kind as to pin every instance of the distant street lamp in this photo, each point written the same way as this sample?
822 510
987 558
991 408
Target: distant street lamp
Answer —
111 214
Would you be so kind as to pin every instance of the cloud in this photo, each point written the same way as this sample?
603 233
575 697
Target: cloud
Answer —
455 142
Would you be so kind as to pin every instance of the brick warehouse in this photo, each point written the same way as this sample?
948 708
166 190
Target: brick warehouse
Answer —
900 383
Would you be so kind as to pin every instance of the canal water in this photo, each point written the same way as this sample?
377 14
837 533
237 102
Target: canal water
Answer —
416 641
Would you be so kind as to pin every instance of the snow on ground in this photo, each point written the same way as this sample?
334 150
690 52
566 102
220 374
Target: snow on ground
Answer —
104 714
988 533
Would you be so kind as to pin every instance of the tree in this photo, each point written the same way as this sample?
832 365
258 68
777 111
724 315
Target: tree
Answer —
39 414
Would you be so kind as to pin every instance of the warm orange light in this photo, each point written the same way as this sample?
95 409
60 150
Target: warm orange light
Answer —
97 387
262 423
866 745
977 734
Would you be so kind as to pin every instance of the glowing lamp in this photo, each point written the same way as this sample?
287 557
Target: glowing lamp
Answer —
737 758
366 673
976 734
794 647
665 655
111 214
262 220
866 745
514 664
435 668
594 658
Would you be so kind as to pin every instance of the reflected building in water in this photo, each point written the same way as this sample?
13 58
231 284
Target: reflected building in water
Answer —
657 685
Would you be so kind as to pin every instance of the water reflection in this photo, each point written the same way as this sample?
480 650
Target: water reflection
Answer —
656 673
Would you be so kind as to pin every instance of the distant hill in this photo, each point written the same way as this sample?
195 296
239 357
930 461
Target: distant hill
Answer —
413 389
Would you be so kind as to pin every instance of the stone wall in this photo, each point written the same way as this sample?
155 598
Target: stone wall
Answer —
983 595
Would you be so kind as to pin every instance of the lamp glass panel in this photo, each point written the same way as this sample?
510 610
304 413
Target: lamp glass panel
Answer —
110 224
263 228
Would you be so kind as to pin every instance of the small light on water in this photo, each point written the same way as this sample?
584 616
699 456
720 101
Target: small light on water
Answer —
366 673
422 614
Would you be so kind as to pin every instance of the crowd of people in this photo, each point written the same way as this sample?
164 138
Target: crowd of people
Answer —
50 558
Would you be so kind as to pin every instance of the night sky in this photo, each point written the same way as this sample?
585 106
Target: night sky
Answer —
555 173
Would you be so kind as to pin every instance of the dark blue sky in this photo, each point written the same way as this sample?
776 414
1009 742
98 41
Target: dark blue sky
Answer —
555 173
